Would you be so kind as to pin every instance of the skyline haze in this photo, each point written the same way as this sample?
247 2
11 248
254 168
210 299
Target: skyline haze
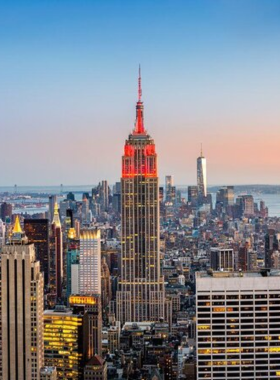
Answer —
210 74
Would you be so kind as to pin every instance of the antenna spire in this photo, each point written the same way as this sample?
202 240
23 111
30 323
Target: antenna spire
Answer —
139 85
201 154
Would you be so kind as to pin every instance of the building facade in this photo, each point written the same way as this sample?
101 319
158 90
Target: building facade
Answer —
21 310
66 341
56 259
201 178
237 326
90 262
37 232
222 258
141 295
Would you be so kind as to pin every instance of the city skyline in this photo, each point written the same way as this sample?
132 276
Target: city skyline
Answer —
68 85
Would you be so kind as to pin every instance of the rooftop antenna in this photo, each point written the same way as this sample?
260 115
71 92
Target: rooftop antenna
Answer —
139 85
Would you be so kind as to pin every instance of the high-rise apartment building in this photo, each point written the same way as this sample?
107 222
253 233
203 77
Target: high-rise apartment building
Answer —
90 262
37 232
237 325
201 178
21 310
141 296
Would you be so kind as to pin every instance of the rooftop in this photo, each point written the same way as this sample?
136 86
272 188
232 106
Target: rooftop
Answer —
224 274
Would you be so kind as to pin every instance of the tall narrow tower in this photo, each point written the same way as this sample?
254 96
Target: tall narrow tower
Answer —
201 178
141 295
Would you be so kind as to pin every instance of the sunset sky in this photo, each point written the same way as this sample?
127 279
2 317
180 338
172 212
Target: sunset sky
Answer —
68 88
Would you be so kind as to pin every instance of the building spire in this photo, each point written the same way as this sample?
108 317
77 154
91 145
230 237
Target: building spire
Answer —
139 124
56 219
17 227
139 85
201 153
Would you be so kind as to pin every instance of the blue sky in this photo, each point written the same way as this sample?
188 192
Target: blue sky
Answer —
68 74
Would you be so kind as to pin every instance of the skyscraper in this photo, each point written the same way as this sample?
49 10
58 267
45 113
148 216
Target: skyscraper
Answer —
56 258
90 285
37 232
169 183
106 289
66 341
90 262
21 310
141 295
52 202
201 178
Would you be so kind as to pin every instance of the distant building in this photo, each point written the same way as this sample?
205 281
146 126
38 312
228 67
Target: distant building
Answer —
246 204
52 202
21 309
193 195
37 231
6 211
201 178
70 197
225 196
169 184
222 259
104 196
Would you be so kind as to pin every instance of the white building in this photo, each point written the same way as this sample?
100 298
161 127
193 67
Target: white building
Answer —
238 325
201 177
90 262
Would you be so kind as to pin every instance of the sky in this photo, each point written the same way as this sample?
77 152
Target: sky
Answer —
68 88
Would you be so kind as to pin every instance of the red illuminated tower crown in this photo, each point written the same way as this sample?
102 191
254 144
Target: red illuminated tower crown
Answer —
140 157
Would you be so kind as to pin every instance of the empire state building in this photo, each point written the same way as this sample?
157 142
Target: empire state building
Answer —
141 295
